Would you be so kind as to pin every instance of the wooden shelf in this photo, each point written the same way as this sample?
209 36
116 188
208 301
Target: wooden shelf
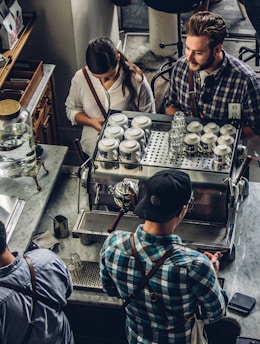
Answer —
12 54
40 99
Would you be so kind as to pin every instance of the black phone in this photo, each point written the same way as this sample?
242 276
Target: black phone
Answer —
241 303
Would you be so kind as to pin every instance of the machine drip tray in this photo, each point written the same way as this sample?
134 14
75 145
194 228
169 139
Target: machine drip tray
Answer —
95 223
197 235
88 277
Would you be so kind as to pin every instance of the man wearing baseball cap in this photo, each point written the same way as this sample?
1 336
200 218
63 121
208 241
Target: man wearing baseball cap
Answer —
161 309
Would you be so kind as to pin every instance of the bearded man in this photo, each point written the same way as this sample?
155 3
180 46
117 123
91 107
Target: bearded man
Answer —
210 83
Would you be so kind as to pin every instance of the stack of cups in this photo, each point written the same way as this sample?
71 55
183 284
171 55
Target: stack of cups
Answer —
176 135
179 122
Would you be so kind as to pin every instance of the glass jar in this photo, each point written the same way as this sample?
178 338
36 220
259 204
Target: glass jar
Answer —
17 148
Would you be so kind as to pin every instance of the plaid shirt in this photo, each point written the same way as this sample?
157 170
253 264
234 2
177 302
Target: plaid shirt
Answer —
235 83
181 281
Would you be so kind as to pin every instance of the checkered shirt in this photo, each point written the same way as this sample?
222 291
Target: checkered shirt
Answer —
235 82
184 279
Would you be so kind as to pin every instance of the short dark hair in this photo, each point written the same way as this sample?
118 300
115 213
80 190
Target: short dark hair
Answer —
205 23
2 237
101 55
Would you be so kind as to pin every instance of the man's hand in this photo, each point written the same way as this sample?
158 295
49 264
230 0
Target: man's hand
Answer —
170 111
249 134
214 258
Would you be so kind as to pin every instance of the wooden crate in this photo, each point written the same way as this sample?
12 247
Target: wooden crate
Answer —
22 81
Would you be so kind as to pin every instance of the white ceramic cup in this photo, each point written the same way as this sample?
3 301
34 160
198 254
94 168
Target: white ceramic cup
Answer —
130 151
226 140
195 127
191 143
143 122
137 134
118 119
207 142
211 127
228 129
222 155
108 149
114 132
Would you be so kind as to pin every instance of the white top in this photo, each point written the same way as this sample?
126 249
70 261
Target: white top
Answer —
80 98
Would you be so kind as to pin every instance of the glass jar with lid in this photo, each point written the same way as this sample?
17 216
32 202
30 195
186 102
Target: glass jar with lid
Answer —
17 147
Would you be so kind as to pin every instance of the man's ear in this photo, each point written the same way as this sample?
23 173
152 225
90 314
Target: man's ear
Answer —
218 49
183 211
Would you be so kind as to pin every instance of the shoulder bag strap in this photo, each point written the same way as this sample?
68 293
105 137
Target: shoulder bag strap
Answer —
192 94
94 92
32 294
145 279
33 282
34 297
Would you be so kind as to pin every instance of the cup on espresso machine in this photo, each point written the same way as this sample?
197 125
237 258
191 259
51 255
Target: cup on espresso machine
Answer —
191 143
108 152
222 155
143 122
129 153
118 119
114 132
137 134
207 143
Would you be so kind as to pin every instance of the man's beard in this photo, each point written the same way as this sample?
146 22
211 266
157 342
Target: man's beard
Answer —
197 67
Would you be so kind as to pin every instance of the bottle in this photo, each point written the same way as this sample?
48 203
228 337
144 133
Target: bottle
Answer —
17 147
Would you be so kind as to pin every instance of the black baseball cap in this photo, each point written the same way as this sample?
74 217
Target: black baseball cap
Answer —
166 192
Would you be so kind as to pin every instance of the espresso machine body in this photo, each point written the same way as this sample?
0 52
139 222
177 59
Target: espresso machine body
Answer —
211 221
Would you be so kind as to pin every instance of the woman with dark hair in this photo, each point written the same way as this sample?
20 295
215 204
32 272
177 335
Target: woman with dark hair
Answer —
119 85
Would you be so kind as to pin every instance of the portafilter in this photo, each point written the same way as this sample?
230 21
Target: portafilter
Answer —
125 196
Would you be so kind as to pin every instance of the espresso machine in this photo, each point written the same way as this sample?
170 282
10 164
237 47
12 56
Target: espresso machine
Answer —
114 187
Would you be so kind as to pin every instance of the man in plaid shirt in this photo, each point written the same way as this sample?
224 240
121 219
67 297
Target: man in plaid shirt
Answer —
224 87
184 279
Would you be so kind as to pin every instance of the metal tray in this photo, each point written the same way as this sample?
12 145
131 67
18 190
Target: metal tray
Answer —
88 277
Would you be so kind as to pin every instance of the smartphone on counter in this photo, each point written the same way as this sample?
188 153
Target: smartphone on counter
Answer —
241 303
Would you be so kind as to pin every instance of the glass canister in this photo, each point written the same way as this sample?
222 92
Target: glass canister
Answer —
17 147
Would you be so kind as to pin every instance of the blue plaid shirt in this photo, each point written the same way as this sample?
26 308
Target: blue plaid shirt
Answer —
235 83
184 279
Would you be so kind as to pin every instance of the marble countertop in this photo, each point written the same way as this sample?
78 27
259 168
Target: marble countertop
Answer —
241 275
35 201
65 200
